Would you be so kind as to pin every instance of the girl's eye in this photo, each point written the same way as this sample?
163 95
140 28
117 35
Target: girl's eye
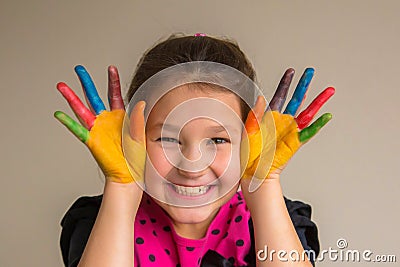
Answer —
218 141
168 139
210 141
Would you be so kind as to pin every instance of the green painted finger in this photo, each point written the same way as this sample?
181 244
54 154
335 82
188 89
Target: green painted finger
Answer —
307 133
78 130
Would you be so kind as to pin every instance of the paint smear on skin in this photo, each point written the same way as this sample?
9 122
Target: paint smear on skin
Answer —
287 138
105 144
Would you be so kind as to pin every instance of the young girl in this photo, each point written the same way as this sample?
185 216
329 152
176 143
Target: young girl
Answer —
128 227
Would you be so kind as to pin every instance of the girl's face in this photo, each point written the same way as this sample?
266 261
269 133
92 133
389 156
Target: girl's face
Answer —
190 176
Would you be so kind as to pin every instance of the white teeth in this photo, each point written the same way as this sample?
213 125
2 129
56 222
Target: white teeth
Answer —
191 191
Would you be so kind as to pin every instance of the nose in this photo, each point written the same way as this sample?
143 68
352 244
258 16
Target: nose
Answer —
191 152
194 160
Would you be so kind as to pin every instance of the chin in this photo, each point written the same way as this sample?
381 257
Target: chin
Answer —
192 215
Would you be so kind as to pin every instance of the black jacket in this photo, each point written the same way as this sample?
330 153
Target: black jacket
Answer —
78 222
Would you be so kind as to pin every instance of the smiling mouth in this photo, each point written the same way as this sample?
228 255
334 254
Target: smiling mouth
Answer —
190 191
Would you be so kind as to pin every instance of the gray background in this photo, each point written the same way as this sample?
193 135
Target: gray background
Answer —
349 173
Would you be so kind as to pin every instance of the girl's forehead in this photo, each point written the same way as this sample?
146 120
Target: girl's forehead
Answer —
189 92
184 104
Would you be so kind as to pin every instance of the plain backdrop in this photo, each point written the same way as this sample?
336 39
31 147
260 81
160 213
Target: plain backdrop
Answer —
349 173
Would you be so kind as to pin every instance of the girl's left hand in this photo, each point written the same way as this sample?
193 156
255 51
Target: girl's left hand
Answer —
274 137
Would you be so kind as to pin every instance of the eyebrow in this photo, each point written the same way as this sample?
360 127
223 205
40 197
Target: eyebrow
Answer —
220 128
168 127
216 129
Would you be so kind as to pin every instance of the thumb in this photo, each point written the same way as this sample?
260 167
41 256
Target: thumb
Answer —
255 116
137 130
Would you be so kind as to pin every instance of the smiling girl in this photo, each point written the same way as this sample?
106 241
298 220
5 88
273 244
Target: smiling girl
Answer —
128 227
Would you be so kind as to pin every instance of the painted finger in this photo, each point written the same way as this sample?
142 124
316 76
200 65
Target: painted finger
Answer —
300 92
305 117
91 94
84 115
307 133
279 98
78 130
255 115
137 129
114 89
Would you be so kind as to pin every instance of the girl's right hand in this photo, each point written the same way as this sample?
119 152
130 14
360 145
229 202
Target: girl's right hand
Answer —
274 137
101 130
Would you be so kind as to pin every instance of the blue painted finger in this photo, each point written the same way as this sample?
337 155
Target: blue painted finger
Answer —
299 93
90 90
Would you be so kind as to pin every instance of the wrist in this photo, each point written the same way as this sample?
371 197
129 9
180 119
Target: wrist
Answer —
267 196
122 198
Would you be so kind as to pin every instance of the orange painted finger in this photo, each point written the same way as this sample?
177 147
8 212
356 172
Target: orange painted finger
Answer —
137 129
255 116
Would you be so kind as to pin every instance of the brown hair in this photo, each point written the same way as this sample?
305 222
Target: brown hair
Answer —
178 48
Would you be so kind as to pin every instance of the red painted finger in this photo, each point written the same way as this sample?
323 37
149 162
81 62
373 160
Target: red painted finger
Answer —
114 89
305 117
84 115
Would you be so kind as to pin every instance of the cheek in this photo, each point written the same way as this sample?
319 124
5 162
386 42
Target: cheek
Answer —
220 163
157 157
226 160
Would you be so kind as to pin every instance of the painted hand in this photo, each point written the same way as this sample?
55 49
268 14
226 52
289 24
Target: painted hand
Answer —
272 137
101 130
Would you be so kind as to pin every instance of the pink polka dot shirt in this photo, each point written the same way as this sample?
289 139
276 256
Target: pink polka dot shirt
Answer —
157 244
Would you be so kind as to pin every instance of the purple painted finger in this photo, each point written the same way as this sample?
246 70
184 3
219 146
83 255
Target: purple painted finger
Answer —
279 98
114 89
